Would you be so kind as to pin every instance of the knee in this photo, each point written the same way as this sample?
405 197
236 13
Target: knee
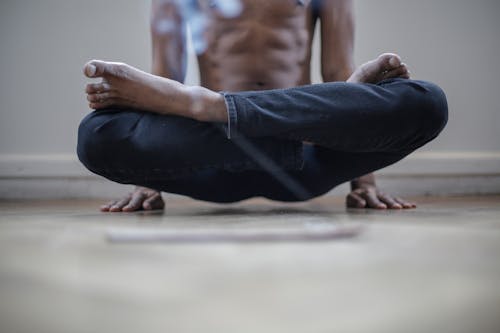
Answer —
425 111
93 141
434 109
112 140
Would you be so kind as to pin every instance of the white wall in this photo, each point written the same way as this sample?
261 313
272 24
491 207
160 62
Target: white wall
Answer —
454 43
43 45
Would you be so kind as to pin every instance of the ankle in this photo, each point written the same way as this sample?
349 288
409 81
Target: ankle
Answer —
206 105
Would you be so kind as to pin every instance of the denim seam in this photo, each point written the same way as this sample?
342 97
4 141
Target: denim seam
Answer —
292 152
232 116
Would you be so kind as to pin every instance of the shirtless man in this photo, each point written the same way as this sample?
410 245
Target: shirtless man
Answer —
267 47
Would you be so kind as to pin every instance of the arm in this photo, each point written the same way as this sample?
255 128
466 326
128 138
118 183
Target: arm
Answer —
168 36
337 64
337 39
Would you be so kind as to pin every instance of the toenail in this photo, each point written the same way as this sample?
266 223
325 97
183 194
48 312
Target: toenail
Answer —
91 70
394 62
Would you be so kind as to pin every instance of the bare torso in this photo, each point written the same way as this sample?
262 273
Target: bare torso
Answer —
268 46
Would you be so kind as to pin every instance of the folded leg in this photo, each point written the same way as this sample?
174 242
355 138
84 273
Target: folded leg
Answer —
358 128
136 147
322 171
391 116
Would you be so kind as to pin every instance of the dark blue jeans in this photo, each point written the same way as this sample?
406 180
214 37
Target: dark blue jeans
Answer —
351 130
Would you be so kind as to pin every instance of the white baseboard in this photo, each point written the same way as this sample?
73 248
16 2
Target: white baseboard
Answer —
422 173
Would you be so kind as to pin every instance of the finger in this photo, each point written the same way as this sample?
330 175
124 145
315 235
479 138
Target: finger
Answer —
100 97
107 206
354 200
117 207
153 202
372 200
405 204
136 202
93 88
390 202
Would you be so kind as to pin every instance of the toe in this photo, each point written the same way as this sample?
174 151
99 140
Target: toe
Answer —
389 61
95 68
90 69
405 72
404 68
108 70
102 104
102 97
400 72
94 88
395 61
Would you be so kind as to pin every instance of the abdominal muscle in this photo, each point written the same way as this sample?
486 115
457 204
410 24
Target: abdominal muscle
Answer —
267 47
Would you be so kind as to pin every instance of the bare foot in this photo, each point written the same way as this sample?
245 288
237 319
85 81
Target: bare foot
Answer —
125 86
386 66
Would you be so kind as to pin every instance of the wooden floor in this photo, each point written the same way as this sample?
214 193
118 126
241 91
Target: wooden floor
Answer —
434 269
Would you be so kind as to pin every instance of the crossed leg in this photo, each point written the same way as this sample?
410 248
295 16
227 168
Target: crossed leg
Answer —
192 157
125 86
195 159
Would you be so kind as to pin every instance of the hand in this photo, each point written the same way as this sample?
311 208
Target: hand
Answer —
365 194
140 198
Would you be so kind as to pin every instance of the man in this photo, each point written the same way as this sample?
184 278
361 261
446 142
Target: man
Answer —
266 47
